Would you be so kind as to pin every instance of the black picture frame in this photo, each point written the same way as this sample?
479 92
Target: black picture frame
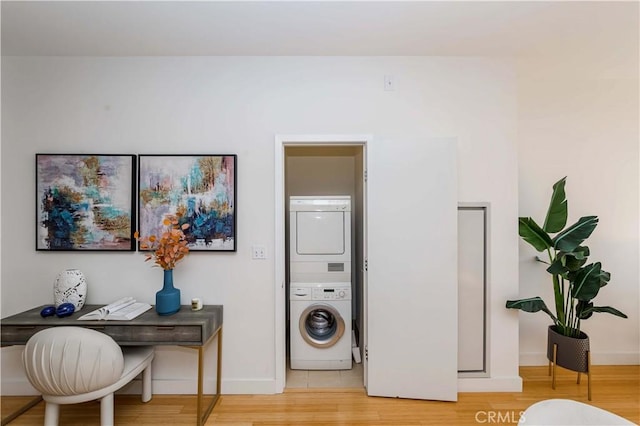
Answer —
85 202
202 188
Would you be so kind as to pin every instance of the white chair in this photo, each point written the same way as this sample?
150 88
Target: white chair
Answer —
70 365
566 412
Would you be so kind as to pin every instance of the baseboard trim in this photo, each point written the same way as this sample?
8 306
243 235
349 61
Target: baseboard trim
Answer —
260 386
229 387
165 387
612 358
248 386
17 387
490 384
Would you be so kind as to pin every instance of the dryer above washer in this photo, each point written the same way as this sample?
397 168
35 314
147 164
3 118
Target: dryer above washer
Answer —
320 238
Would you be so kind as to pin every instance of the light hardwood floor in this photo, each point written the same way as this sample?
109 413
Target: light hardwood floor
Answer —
615 388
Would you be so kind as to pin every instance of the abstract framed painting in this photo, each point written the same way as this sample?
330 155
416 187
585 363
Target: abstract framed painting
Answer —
200 189
85 202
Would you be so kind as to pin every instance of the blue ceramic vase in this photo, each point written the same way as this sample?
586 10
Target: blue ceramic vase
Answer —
168 299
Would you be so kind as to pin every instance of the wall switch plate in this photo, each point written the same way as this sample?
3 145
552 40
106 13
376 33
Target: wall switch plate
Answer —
389 83
258 252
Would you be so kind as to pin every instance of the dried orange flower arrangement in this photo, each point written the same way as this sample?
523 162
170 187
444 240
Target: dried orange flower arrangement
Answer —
168 248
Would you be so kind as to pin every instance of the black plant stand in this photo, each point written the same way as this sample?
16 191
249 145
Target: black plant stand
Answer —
571 353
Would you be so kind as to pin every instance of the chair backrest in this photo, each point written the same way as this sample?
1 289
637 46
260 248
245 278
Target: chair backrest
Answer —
566 412
71 360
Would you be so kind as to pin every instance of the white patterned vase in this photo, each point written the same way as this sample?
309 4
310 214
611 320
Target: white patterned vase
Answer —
70 287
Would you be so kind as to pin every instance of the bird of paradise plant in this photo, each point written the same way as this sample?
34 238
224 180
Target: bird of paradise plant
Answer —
575 284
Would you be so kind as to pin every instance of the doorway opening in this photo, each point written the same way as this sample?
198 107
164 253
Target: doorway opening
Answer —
321 167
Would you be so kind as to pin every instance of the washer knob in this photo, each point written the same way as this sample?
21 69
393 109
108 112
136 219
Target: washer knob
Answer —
341 293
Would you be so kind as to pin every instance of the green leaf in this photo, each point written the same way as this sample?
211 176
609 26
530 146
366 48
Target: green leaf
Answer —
584 310
604 278
557 267
569 239
585 283
531 232
580 252
577 258
533 304
569 261
588 311
557 213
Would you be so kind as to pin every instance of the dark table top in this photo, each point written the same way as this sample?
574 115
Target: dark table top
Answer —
143 329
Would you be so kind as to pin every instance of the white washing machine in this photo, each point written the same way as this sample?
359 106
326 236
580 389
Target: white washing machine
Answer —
320 328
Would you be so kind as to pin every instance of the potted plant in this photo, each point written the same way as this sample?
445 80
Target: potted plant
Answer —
168 249
575 283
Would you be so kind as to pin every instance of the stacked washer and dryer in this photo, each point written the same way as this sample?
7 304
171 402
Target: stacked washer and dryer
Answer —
320 282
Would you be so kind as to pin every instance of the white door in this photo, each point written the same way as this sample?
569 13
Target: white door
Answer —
412 269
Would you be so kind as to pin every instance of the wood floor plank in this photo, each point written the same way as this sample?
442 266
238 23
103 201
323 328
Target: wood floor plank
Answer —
615 388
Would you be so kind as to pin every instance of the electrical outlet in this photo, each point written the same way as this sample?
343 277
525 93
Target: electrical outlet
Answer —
258 252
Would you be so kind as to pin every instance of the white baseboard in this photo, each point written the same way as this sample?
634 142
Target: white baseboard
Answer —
247 387
490 384
611 358
229 387
164 387
17 387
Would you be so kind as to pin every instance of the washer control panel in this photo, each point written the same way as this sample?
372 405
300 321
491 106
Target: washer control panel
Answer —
331 293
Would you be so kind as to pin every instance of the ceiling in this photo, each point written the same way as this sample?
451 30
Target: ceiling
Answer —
185 28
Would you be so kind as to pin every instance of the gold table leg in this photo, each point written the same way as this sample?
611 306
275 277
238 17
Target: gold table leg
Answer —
11 417
589 375
203 413
555 357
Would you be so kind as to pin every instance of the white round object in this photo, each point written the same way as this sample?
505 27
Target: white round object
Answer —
72 360
70 286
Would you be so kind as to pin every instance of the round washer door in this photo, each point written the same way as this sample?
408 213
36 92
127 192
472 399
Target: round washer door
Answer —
321 325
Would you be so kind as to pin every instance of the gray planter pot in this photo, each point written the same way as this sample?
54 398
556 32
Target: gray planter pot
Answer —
571 352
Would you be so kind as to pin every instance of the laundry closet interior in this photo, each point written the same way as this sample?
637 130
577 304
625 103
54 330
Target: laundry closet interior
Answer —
324 198
321 180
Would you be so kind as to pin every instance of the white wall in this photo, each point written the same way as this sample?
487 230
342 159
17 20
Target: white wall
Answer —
237 105
578 117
